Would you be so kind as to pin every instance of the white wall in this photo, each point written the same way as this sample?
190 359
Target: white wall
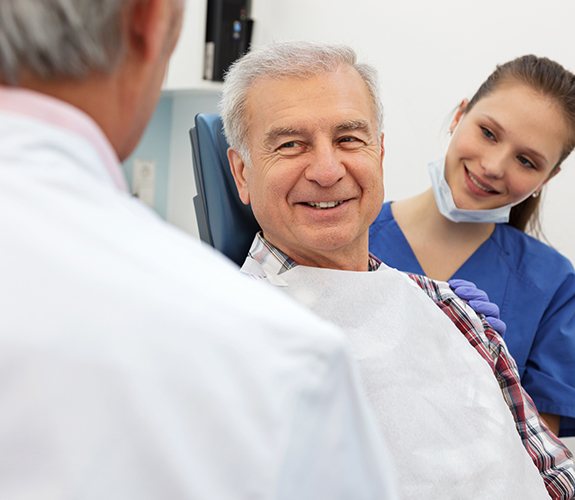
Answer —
430 55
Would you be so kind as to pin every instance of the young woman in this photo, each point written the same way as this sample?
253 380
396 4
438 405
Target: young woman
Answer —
506 143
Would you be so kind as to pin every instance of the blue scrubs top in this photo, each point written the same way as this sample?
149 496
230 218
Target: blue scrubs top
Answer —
534 287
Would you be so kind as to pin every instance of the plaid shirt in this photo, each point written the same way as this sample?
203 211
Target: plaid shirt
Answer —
553 460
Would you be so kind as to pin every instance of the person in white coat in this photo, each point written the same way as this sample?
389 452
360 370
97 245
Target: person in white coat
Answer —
134 362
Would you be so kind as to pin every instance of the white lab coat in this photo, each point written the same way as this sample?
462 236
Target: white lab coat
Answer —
137 364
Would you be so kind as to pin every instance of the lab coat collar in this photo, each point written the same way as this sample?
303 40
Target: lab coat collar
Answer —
62 115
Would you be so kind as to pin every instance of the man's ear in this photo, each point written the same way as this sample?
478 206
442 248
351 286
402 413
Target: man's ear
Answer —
147 24
381 154
239 172
458 114
382 148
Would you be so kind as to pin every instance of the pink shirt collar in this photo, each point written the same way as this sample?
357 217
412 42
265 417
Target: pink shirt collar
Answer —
63 115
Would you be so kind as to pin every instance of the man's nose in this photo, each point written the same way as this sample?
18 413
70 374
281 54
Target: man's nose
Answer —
326 167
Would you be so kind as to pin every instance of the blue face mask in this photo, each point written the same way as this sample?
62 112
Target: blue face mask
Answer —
447 207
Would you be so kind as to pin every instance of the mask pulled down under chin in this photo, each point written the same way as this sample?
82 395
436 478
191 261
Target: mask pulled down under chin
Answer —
447 207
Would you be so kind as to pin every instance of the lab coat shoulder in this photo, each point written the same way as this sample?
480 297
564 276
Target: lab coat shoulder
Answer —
127 347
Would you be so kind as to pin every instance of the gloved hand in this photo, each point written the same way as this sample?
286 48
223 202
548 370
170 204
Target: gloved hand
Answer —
479 302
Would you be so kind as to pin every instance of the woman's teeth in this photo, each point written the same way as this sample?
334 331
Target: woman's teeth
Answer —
479 185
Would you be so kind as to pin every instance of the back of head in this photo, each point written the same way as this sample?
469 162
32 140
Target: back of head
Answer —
53 39
549 79
285 60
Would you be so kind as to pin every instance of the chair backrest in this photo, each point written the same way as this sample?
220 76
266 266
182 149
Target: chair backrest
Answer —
224 222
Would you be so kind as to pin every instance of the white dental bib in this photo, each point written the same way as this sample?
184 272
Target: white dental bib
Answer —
439 405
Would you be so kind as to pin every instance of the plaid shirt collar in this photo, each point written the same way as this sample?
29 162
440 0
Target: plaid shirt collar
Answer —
275 262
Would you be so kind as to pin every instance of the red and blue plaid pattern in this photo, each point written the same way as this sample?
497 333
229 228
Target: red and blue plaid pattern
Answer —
551 457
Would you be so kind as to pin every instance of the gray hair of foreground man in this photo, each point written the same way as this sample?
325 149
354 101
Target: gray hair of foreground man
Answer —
59 38
285 60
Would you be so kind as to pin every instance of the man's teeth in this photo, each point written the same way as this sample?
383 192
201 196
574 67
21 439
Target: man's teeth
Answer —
324 204
479 185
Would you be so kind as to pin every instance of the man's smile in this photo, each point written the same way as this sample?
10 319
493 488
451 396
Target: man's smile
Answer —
324 204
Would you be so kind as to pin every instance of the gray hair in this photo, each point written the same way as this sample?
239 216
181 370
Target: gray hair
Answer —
285 60
59 38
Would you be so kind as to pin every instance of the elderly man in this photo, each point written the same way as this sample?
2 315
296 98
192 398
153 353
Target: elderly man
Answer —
303 122
134 363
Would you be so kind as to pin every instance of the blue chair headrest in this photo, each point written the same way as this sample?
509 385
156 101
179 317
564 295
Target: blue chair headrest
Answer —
224 222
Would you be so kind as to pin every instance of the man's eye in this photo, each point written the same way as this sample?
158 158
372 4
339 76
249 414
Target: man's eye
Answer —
350 142
526 162
487 133
290 148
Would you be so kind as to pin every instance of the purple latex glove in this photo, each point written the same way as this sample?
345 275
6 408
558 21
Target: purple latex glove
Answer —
479 302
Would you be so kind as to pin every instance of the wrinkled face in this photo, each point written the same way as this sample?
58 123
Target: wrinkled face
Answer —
504 148
315 182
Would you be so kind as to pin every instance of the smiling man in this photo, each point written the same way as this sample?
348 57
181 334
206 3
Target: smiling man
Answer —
306 150
318 183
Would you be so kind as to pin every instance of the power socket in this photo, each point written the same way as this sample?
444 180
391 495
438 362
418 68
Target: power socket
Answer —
144 181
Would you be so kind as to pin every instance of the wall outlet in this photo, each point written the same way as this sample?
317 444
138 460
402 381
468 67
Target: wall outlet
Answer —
144 181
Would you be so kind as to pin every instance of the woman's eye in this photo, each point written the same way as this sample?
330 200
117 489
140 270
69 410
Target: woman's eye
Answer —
487 133
526 162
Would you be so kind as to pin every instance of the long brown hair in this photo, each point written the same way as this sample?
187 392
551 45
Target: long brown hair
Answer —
552 80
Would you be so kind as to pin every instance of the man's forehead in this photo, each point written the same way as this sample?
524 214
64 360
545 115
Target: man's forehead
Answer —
270 102
324 80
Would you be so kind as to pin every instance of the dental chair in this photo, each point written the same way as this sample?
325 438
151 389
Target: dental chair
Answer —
224 222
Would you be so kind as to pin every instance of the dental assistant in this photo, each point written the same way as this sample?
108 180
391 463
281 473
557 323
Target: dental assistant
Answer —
507 142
